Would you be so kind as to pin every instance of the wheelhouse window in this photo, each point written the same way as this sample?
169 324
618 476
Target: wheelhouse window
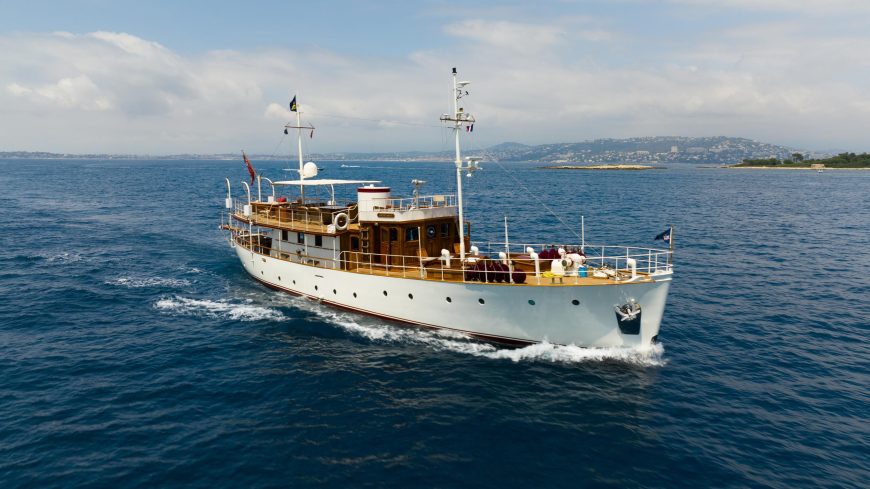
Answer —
354 243
412 234
285 235
445 229
300 238
318 240
394 234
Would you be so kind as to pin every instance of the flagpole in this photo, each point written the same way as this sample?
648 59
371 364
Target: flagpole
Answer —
671 245
299 146
507 250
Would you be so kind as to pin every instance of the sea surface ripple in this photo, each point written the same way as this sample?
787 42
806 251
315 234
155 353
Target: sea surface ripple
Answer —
137 353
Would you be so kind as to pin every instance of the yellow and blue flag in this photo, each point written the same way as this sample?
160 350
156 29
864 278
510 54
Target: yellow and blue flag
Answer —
665 236
293 104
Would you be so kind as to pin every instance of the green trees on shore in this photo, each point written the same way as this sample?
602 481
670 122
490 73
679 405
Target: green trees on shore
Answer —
842 160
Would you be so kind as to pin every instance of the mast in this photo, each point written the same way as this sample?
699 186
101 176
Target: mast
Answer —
456 126
459 117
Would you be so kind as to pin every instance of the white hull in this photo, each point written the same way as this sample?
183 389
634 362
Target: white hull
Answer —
506 313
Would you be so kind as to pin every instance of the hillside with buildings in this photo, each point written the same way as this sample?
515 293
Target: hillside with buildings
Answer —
717 150
661 149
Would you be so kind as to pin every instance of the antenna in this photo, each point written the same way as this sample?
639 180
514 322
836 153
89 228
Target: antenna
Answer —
473 164
417 185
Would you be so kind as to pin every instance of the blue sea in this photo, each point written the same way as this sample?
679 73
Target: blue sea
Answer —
135 351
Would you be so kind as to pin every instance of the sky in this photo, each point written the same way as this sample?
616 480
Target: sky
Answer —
168 77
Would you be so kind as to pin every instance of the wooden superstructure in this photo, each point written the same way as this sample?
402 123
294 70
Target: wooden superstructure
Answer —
418 238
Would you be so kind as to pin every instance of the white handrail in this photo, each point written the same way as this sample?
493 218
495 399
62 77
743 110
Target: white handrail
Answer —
403 204
413 266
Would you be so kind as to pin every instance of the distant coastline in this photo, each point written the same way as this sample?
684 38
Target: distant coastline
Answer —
654 150
602 167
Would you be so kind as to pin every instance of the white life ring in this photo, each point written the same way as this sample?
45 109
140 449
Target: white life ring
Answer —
341 221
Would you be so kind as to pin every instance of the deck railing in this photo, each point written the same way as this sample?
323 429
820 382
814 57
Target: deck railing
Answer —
293 216
648 260
421 202
608 263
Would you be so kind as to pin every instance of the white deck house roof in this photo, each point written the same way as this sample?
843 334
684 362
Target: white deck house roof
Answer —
324 181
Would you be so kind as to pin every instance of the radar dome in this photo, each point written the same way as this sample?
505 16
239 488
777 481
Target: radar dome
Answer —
309 170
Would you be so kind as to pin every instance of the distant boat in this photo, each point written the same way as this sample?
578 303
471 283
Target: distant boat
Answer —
349 166
413 260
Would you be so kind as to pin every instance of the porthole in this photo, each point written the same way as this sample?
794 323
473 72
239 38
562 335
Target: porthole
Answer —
279 278
449 299
354 295
385 293
531 302
261 272
481 301
294 282
315 287
575 302
334 292
411 296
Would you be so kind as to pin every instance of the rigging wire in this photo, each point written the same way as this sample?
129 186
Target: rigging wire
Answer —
529 192
280 142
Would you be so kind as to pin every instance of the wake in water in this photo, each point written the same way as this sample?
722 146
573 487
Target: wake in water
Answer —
646 357
218 309
446 340
139 282
60 257
189 270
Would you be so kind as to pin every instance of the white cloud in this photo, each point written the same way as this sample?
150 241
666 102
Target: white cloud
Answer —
779 81
815 7
153 100
17 90
511 36
132 44
275 111
78 92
